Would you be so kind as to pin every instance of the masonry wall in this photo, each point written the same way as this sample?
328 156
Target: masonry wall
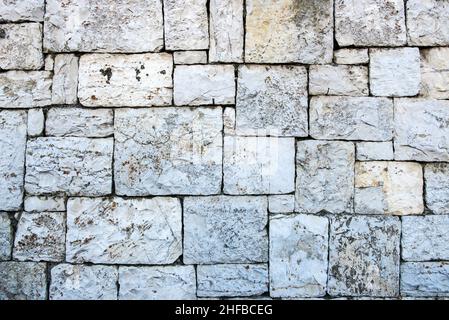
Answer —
185 149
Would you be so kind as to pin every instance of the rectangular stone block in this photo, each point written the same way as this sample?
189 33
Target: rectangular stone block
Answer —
436 177
324 176
6 236
374 151
103 26
65 79
164 151
13 135
115 80
272 100
225 229
282 31
421 130
351 56
338 80
232 280
36 122
82 282
79 122
21 10
157 283
364 256
74 166
23 281
298 256
425 279
44 203
190 57
21 46
186 25
281 203
122 231
435 73
20 89
383 187
226 31
204 84
258 165
425 238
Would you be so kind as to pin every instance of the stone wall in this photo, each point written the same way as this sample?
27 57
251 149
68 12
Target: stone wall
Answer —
185 149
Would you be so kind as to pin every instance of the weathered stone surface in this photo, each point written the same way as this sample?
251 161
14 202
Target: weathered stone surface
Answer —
40 237
21 46
298 256
49 62
20 10
421 130
370 23
364 256
259 165
279 31
186 25
229 121
395 72
428 22
157 283
272 100
103 26
435 73
168 151
110 80
374 151
281 203
44 203
351 56
224 229
22 281
80 282
190 57
79 122
338 80
425 279
437 187
200 85
226 31
13 130
425 238
20 89
232 280
351 118
75 166
383 187
35 124
135 231
65 79
6 238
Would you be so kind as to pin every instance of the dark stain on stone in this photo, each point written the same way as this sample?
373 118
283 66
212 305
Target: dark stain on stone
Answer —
107 73
137 73
2 34
163 72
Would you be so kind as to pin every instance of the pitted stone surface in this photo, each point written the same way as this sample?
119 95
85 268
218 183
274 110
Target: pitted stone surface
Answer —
21 10
23 281
435 73
6 236
425 279
436 177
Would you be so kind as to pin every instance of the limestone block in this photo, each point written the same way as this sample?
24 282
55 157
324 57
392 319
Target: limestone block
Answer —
425 279
44 203
65 79
190 57
351 56
281 203
435 73
20 10
23 281
229 121
436 177
36 119
338 80
374 151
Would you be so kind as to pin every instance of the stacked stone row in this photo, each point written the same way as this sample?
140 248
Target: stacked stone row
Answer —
185 149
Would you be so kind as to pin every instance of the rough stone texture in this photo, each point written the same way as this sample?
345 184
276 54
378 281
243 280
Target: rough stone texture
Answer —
425 238
388 188
351 56
226 31
428 22
75 166
40 236
425 279
113 80
374 151
421 130
79 122
351 118
20 10
364 256
186 25
190 57
202 85
79 282
395 72
65 79
224 229
435 73
272 100
258 165
49 62
6 236
20 89
120 231
231 280
103 25
44 203
324 176
338 80
280 31
298 256
229 121
281 203
23 281
168 151
436 177
157 283
370 23
21 46
35 124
